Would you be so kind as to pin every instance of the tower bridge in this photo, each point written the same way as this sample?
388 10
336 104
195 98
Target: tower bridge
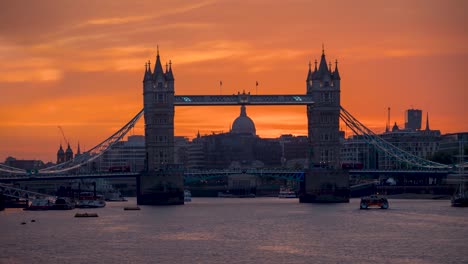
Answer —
160 184
162 181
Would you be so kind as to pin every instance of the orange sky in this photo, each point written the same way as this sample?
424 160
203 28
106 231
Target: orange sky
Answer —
80 64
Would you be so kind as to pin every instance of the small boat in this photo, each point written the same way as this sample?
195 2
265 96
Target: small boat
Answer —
187 196
131 208
86 215
89 200
460 198
63 203
286 193
41 204
374 201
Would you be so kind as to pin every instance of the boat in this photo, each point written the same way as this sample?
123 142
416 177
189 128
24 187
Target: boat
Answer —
286 193
63 203
41 204
374 201
114 196
86 215
187 196
131 208
460 198
90 200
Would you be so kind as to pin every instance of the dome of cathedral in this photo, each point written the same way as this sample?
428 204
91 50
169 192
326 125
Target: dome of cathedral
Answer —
243 124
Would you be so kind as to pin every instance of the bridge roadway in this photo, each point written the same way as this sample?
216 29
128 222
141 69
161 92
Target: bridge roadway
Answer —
191 176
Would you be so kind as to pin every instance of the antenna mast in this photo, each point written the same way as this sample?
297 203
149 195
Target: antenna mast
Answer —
387 128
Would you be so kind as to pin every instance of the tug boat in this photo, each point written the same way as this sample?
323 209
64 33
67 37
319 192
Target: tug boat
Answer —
374 201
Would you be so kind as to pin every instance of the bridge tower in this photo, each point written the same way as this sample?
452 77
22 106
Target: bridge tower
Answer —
325 181
162 181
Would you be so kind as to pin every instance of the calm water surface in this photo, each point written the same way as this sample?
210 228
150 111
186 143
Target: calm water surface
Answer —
223 230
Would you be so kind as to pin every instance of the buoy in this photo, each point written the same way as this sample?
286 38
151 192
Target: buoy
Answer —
32 221
131 208
86 215
23 223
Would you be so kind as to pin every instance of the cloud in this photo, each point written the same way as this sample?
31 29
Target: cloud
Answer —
116 20
18 65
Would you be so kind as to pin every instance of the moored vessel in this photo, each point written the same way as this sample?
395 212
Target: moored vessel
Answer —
41 204
286 193
63 203
114 196
187 196
460 198
90 200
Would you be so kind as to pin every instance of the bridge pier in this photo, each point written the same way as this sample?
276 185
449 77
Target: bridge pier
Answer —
323 185
162 187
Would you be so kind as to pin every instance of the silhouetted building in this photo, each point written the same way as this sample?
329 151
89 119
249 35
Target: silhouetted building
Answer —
64 156
124 156
413 119
242 148
357 153
60 155
24 164
243 124
455 144
68 153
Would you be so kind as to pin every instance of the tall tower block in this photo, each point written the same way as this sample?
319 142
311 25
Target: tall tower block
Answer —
162 181
325 181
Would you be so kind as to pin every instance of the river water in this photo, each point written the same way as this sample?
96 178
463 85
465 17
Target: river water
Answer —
230 230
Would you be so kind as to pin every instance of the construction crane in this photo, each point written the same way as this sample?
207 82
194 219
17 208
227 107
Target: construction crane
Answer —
63 134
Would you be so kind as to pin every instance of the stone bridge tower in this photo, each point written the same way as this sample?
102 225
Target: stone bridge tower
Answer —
162 182
325 181
158 96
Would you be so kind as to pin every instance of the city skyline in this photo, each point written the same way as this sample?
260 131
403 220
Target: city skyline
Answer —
81 66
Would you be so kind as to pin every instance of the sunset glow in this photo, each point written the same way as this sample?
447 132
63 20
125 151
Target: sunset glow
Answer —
80 64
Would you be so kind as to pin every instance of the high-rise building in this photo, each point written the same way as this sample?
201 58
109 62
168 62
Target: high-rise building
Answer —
413 119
